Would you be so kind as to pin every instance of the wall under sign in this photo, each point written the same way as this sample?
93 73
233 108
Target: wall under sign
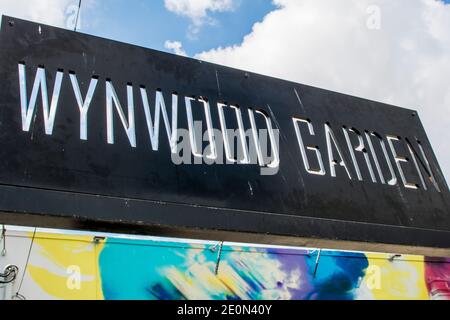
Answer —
68 266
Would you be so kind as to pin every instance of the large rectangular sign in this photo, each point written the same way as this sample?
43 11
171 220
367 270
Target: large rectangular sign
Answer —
100 133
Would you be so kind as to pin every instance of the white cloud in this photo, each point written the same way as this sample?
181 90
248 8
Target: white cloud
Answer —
60 13
53 12
198 10
176 47
337 45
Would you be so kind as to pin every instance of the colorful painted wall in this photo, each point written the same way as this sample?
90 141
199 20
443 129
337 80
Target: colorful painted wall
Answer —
69 266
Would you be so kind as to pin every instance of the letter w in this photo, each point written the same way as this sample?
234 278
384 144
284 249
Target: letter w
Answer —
153 128
40 82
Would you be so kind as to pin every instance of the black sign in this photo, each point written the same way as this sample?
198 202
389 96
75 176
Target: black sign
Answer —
100 133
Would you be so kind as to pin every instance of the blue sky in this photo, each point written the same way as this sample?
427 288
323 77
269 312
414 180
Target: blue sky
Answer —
150 24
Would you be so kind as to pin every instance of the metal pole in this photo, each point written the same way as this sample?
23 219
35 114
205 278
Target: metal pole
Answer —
78 16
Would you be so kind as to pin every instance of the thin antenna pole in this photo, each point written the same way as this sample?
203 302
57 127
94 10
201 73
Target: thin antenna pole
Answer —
78 16
317 262
18 295
219 256
4 241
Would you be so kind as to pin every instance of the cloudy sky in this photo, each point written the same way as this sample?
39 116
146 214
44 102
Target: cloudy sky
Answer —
394 51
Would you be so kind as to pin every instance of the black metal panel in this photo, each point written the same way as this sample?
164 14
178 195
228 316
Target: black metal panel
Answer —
60 176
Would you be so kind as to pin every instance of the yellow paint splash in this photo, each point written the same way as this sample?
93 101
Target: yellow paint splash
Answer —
399 279
66 266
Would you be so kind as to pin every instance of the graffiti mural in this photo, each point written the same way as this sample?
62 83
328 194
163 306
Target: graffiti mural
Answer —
71 266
